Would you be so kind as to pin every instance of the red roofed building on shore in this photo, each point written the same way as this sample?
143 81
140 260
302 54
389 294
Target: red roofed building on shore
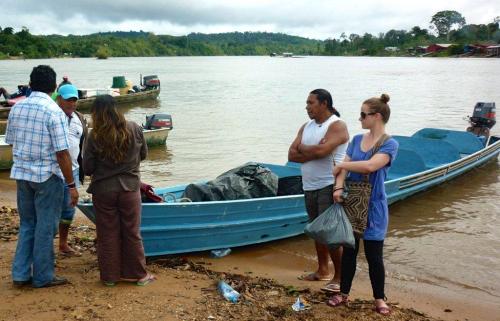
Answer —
437 47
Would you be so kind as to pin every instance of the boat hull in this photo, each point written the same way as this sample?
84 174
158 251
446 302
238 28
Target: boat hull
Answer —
189 227
4 112
399 189
5 154
153 137
156 137
171 228
86 104
3 126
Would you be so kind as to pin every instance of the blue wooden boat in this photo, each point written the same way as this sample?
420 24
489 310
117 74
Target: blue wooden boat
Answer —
428 158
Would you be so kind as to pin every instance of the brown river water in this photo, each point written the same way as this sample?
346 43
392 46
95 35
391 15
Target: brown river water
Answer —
230 110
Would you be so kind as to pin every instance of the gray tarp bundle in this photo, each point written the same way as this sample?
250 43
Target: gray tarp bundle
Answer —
250 180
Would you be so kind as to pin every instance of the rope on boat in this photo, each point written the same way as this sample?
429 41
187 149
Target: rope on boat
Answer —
171 198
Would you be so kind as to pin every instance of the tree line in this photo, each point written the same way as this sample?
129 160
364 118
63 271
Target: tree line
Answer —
445 27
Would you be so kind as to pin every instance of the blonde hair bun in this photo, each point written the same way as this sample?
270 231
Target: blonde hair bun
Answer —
385 98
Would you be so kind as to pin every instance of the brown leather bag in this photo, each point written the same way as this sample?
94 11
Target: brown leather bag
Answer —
357 196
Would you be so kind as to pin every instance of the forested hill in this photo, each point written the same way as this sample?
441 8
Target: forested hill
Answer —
144 44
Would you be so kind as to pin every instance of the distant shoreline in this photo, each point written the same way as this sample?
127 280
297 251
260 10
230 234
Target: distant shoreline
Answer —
298 56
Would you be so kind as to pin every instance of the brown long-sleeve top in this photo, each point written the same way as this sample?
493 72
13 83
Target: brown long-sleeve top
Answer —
111 177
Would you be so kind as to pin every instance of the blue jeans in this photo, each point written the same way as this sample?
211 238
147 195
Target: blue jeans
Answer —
39 206
68 212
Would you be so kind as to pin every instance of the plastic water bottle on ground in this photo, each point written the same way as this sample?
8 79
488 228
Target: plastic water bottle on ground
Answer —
300 305
228 292
220 253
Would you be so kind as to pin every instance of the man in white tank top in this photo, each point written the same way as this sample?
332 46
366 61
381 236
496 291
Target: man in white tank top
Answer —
320 141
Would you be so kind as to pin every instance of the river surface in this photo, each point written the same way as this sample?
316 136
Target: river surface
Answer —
230 110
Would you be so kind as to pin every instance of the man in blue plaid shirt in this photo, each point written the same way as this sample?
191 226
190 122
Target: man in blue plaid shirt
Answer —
37 129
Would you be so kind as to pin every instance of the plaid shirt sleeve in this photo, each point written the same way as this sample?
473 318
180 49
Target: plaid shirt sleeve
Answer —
58 130
8 135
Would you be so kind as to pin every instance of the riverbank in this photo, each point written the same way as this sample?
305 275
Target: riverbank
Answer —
185 290
186 287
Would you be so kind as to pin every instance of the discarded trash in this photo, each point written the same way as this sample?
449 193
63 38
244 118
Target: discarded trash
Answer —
220 253
83 228
300 305
228 292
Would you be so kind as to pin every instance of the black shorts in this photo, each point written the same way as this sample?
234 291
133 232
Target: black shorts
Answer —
318 201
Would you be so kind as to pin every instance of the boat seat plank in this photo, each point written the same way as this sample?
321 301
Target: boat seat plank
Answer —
466 143
407 162
433 152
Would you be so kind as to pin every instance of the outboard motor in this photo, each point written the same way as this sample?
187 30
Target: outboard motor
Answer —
158 121
483 119
151 82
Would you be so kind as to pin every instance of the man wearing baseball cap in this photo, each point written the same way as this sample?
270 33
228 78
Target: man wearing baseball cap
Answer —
67 97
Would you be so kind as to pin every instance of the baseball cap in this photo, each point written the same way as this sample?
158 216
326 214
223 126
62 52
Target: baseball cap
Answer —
67 92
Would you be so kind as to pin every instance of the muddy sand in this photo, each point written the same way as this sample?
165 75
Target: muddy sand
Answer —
186 288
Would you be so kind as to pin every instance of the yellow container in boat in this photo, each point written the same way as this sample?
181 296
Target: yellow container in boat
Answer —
129 84
123 91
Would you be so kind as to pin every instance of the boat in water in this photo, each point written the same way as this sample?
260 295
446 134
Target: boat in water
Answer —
155 130
429 157
149 89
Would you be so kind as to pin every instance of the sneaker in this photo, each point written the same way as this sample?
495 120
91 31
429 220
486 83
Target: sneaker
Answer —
57 280
21 283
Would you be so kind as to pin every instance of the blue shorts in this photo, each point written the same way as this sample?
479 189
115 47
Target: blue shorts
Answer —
68 212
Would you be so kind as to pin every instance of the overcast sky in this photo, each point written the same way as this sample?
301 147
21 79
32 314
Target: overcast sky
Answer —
318 19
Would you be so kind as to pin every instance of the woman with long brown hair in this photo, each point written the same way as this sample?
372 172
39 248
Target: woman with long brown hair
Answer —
112 154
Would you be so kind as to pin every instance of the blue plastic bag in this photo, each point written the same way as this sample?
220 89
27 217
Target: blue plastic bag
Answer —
332 227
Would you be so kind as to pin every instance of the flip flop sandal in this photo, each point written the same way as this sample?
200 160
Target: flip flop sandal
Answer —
148 279
331 288
382 310
70 254
313 277
336 300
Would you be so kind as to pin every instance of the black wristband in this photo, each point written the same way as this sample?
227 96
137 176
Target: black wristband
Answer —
72 185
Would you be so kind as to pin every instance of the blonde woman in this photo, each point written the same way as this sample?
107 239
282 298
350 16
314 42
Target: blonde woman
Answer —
359 161
112 154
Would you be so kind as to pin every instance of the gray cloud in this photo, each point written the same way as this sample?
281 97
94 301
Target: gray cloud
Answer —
316 18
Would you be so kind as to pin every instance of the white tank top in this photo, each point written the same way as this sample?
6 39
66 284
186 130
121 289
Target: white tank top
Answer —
317 174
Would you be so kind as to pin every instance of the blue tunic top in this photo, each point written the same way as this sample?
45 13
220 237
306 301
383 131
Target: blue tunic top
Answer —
378 212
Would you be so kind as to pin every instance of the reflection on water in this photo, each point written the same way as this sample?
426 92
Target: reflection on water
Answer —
156 168
231 110
141 108
450 234
453 200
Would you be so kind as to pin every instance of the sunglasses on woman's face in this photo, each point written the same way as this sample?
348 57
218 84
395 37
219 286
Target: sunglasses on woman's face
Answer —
363 114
